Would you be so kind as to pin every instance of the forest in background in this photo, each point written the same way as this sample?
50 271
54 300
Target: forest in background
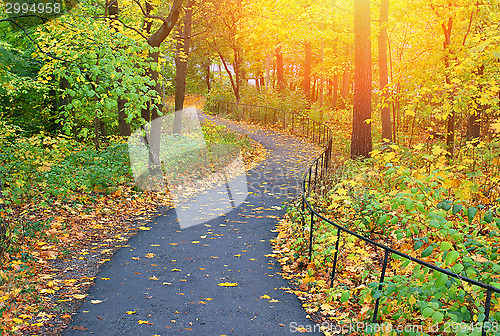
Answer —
423 75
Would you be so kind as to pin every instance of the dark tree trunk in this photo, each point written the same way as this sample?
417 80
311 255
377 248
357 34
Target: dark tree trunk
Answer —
361 139
112 10
150 114
385 112
346 77
238 69
234 85
155 40
307 70
473 121
313 91
335 91
207 75
280 70
450 136
181 66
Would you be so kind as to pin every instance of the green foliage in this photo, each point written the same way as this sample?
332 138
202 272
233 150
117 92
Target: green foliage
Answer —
415 201
43 168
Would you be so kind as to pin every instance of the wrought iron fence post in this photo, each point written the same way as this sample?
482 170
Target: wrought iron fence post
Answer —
316 173
382 276
487 308
309 184
311 228
335 258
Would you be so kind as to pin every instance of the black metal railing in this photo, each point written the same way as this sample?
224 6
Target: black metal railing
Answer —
291 121
309 183
317 172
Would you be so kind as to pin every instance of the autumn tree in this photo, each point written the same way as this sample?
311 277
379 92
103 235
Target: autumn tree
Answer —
383 71
181 64
361 139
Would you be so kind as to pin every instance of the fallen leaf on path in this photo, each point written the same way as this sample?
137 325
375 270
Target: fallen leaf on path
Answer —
144 322
228 284
80 296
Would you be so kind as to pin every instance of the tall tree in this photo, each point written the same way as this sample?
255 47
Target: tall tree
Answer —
385 112
361 138
112 11
181 64
280 72
447 26
307 70
155 40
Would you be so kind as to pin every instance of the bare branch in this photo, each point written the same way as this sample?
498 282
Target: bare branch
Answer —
149 16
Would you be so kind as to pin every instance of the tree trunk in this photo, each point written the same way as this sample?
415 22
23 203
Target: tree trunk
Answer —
473 121
346 76
235 87
450 136
238 70
112 10
307 71
313 91
335 90
207 75
149 114
321 84
280 71
181 66
361 139
385 112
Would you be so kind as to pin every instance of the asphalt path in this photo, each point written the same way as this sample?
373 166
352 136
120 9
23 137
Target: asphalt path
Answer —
168 280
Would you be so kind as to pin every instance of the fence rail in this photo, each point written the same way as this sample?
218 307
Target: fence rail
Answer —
316 173
291 121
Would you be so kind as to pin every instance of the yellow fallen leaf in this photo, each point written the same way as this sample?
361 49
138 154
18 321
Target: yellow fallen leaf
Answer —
175 270
228 284
144 228
104 278
144 322
80 296
265 296
95 301
237 255
150 255
195 242
130 312
153 278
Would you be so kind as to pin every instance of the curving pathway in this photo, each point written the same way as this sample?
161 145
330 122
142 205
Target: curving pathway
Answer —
166 282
